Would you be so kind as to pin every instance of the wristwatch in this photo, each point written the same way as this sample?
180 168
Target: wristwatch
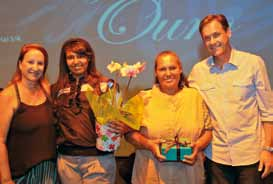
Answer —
268 148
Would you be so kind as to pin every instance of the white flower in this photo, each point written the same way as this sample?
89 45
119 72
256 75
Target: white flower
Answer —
113 66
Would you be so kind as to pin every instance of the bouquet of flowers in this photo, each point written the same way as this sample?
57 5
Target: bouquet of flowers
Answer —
111 105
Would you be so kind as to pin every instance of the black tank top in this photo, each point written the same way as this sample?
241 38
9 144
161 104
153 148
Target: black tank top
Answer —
31 137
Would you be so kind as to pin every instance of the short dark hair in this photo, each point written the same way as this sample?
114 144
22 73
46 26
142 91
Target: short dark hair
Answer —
211 17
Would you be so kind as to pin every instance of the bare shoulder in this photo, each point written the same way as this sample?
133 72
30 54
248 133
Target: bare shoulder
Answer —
8 105
8 98
7 92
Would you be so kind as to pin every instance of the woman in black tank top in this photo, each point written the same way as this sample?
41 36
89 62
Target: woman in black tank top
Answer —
27 131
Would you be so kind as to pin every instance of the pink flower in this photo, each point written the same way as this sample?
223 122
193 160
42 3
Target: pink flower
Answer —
132 70
129 71
125 70
140 66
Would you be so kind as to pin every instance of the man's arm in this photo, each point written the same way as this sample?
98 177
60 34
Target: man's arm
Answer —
266 159
265 104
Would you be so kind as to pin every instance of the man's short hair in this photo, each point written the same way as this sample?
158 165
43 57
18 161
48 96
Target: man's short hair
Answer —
211 17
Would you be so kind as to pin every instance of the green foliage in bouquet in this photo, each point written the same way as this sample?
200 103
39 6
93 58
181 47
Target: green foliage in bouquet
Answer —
107 107
129 113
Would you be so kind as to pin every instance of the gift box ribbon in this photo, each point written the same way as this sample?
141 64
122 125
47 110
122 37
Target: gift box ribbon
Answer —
178 143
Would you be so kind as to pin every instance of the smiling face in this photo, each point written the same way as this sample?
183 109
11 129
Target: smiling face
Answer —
216 39
32 66
77 63
168 71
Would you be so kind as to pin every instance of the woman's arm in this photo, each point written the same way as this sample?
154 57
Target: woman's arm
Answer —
205 138
142 142
7 104
198 146
119 127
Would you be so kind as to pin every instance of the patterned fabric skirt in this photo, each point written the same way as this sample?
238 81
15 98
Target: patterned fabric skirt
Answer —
43 173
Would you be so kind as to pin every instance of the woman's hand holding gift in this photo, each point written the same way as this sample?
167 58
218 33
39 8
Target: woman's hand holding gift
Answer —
191 159
153 146
198 146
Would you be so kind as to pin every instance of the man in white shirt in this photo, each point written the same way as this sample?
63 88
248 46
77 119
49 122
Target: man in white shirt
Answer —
237 90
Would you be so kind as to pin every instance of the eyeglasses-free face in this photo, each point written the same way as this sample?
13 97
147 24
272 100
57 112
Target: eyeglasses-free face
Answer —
32 66
168 73
216 39
77 63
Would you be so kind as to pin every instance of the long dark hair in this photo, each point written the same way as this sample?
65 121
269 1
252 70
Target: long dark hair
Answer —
82 47
183 81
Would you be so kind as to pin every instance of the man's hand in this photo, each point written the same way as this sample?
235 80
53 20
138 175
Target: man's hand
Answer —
266 163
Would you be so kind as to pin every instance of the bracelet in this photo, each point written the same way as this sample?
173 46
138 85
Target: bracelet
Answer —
268 148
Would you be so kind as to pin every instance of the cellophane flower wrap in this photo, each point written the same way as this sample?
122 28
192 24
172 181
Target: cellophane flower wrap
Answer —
114 106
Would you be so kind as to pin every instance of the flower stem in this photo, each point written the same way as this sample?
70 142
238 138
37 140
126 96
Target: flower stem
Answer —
124 98
114 100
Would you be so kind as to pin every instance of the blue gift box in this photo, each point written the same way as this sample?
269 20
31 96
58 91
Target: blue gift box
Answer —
175 153
185 151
